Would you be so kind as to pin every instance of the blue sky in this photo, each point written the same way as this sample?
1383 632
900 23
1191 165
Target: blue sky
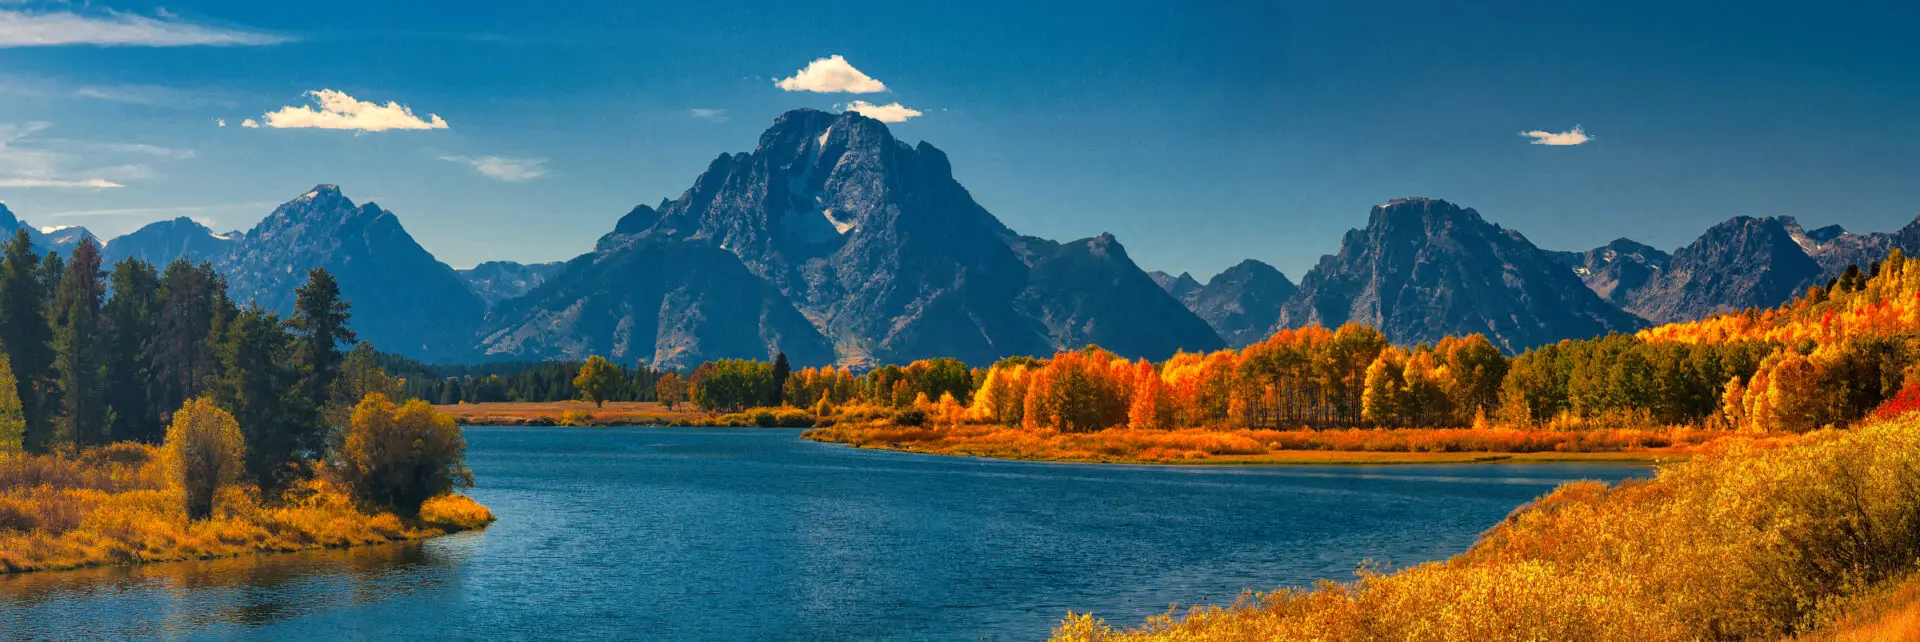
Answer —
1198 133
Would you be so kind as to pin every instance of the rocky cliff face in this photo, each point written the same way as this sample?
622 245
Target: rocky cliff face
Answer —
886 256
1425 268
404 300
1617 269
1741 263
1749 262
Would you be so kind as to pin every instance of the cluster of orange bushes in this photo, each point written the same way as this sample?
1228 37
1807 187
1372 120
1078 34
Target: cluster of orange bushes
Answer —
1232 445
1740 542
1882 302
118 504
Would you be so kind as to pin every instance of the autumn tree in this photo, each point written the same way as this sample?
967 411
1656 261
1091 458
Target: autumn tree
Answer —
204 451
597 380
13 418
670 389
398 456
1380 401
360 375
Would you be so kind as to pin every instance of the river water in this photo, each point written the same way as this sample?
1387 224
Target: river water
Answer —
738 534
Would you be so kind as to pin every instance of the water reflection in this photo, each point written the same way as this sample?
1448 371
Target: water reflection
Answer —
199 598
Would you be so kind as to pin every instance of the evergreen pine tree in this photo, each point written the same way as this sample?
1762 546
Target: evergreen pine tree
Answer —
25 335
181 357
781 370
260 385
319 325
132 323
80 362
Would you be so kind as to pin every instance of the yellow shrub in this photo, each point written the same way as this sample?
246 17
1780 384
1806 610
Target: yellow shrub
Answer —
457 511
1742 542
117 505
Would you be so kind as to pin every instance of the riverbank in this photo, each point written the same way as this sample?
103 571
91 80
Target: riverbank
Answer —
1281 447
619 413
115 505
571 413
1809 539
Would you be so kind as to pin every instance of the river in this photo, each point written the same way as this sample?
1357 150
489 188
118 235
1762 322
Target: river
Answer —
738 534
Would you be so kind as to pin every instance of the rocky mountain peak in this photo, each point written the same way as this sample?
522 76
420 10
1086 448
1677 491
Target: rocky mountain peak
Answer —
1242 303
1742 262
864 238
163 242
1827 233
1425 268
1177 286
1426 213
1246 271
404 299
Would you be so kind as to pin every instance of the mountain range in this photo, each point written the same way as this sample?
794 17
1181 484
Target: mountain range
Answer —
836 243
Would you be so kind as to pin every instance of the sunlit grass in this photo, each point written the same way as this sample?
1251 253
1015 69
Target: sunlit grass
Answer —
1740 542
117 505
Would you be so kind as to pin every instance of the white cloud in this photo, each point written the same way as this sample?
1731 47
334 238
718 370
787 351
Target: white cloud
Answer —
1575 136
158 96
715 115
168 212
891 113
219 122
20 28
502 168
340 111
250 123
90 183
832 74
140 149
28 163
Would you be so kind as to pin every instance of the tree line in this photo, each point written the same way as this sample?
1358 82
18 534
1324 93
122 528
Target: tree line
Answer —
528 381
91 356
1827 358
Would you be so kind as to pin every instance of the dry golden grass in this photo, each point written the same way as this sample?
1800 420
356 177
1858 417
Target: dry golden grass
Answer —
116 505
572 413
1232 446
455 512
1741 542
1891 616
